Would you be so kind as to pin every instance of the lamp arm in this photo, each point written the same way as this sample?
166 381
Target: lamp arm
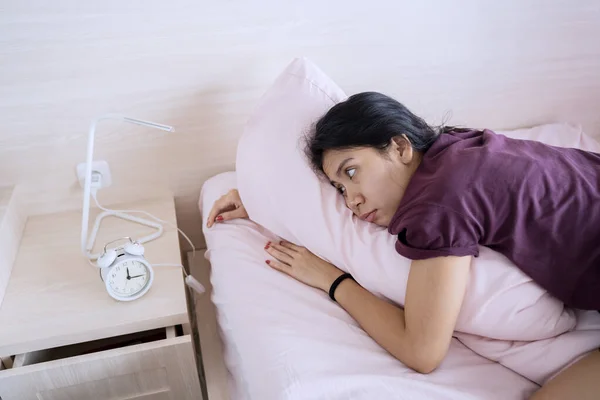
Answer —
87 187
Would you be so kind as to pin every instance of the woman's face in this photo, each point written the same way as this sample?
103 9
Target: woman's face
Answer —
372 181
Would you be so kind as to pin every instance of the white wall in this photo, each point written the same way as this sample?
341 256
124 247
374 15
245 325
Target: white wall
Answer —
201 66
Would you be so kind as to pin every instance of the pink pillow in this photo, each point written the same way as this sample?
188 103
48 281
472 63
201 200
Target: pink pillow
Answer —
283 194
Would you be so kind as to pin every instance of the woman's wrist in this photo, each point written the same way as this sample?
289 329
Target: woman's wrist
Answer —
330 278
337 283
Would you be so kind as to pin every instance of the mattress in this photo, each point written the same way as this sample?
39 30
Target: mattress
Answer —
285 340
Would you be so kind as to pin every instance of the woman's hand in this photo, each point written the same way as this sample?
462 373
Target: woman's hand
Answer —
301 264
228 207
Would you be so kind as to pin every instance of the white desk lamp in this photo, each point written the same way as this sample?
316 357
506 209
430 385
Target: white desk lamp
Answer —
86 247
113 263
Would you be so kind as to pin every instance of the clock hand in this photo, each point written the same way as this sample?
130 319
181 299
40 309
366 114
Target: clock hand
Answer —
128 277
136 276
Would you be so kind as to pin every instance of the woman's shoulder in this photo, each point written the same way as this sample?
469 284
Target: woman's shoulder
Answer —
457 139
456 160
453 179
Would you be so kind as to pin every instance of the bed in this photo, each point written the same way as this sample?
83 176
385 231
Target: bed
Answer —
284 340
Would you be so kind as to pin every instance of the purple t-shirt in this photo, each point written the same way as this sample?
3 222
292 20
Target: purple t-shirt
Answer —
538 205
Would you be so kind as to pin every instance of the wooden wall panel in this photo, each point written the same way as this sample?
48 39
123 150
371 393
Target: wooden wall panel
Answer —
201 66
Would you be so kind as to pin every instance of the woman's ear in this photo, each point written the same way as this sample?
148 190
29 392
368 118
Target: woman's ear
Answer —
402 149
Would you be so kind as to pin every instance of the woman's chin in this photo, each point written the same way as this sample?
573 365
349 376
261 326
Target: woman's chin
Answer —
382 221
377 220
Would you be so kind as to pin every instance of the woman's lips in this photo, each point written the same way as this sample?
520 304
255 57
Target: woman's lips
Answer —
370 216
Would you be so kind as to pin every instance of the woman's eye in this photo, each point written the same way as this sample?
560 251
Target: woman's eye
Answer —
342 190
350 172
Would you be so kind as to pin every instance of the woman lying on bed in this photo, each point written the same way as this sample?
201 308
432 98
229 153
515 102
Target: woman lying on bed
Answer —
444 193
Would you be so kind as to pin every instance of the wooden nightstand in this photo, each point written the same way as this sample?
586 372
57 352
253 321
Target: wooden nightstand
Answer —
67 339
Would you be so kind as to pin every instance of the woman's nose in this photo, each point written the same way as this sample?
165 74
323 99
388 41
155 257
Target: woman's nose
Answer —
354 201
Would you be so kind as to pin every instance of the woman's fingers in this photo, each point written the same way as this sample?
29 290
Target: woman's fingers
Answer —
228 207
229 215
290 246
280 253
217 208
279 266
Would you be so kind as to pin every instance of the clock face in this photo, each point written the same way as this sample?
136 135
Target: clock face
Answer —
128 278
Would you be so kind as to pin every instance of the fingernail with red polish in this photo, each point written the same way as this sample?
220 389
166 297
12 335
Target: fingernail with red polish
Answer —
267 246
268 262
219 218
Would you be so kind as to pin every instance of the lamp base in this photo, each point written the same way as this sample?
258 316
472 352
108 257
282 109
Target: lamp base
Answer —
125 216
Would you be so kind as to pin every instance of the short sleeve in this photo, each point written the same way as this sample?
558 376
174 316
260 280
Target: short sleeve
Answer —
435 231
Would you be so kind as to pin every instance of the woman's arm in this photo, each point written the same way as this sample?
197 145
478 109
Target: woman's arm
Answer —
419 335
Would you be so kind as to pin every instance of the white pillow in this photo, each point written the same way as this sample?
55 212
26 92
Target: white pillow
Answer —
283 194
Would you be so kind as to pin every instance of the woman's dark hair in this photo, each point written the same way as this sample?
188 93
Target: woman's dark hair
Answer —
368 119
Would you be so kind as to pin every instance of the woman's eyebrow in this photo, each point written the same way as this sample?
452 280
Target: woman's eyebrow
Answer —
342 165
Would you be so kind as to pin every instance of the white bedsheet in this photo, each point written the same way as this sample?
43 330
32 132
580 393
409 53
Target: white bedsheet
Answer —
285 340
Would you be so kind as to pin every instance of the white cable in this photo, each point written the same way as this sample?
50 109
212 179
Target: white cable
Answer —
95 197
189 280
172 265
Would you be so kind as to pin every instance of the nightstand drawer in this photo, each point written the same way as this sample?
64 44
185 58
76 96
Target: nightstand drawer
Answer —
163 369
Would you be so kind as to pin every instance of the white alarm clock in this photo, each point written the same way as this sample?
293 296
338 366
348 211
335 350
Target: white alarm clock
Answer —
125 272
